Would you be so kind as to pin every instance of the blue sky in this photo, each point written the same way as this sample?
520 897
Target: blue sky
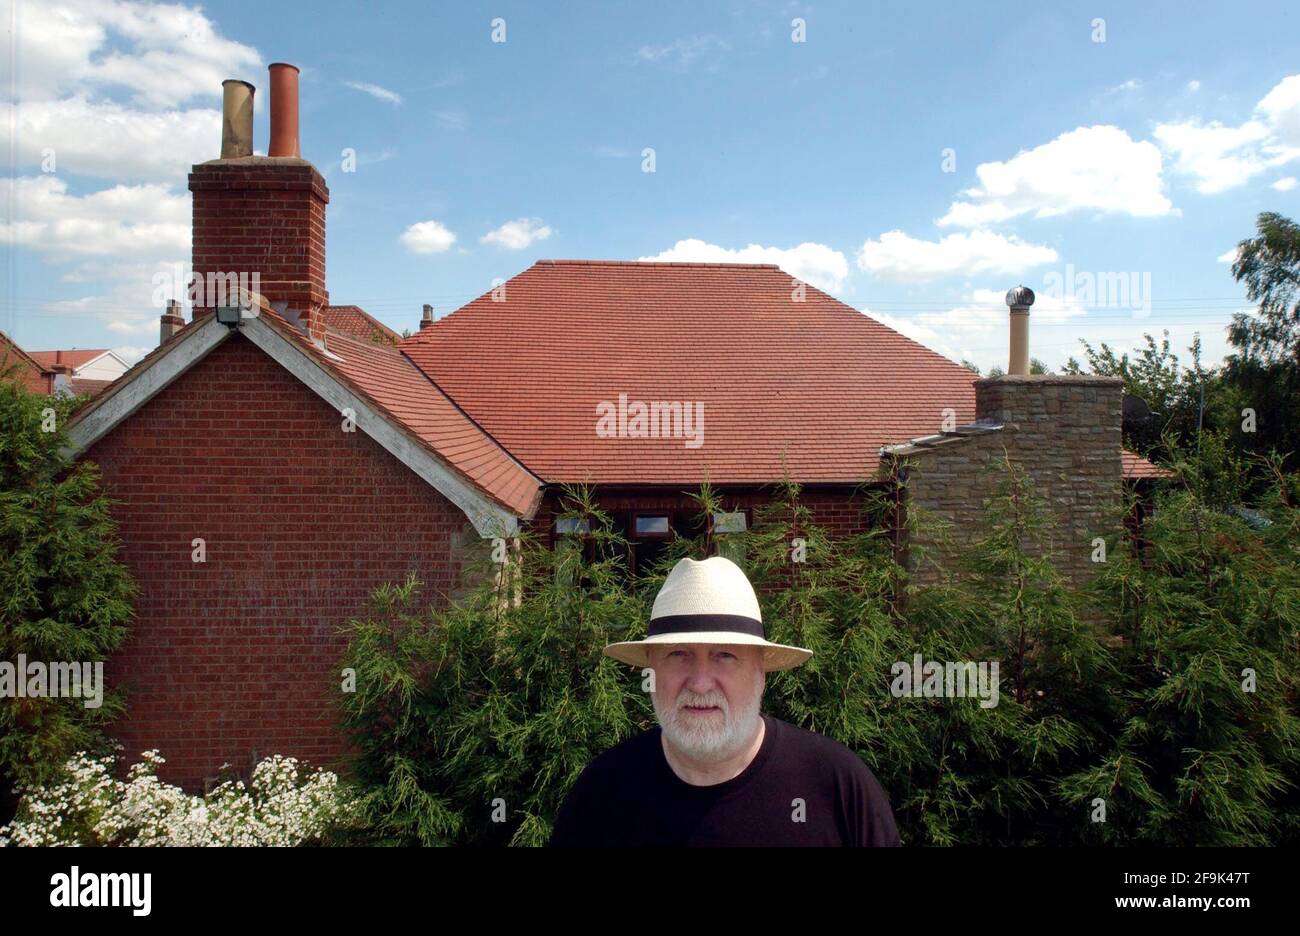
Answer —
1149 153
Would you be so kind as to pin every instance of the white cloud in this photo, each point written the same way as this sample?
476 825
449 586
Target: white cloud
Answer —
375 91
132 353
1219 157
1284 185
452 119
128 307
517 234
163 54
122 221
133 326
111 141
681 54
426 237
105 88
1097 168
977 330
815 264
1280 109
1228 257
1193 85
1131 85
899 257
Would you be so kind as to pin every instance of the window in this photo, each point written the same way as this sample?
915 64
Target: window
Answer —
569 525
733 522
651 534
726 542
653 525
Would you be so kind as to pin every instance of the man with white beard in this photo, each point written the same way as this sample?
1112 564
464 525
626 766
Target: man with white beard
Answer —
717 772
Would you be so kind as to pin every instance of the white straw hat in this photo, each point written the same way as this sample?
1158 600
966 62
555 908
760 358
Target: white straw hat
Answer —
711 602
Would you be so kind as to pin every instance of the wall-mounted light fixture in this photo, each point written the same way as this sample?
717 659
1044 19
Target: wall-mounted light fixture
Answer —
229 315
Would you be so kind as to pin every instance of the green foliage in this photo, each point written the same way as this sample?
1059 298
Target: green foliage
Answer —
64 594
1171 391
1126 690
1201 756
488 700
1264 373
1269 265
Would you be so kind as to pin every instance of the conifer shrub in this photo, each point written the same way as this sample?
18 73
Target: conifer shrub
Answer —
1120 716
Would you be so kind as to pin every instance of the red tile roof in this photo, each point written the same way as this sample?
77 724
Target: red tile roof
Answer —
816 382
356 321
382 375
82 385
389 379
76 357
1137 468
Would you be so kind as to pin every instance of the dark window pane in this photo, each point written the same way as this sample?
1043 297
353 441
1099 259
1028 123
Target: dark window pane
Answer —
572 525
652 526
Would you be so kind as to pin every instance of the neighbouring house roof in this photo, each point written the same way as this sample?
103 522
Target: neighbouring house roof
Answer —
1137 468
355 321
82 385
42 379
31 372
75 358
815 386
393 401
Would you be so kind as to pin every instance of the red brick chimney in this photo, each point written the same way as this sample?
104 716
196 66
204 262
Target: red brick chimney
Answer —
263 216
171 321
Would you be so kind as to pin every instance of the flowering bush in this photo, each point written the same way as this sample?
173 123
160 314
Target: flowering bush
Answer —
90 806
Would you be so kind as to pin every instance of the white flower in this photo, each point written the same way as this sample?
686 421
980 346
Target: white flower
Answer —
278 807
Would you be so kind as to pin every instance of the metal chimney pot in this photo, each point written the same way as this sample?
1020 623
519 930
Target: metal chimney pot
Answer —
1019 300
236 118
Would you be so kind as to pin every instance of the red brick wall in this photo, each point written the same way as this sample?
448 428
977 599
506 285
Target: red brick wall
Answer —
239 654
264 216
840 510
25 372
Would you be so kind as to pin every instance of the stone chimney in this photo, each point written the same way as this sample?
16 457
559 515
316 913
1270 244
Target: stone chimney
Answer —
259 221
1065 430
426 320
172 321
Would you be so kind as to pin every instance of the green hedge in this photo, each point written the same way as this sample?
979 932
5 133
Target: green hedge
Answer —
471 722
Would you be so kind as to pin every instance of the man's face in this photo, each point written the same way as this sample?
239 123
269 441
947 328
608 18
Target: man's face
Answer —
707 696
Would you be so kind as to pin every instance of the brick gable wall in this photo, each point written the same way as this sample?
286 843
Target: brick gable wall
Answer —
240 655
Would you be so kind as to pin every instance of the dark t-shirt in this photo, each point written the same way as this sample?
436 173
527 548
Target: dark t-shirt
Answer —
630 796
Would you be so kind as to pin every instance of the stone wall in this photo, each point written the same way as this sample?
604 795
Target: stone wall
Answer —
1065 431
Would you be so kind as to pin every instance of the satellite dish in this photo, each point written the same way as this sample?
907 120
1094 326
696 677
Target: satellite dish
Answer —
1135 409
